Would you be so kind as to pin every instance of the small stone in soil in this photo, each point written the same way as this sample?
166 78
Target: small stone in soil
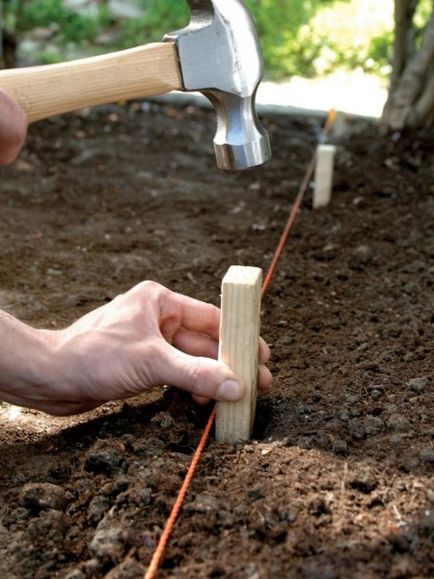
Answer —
361 257
351 400
75 574
373 424
203 504
144 496
42 496
98 507
426 455
112 489
396 439
49 524
108 543
305 442
418 384
391 408
356 428
104 461
344 415
399 422
408 462
340 446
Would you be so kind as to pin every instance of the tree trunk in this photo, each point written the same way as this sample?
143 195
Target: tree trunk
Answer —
8 44
411 96
8 49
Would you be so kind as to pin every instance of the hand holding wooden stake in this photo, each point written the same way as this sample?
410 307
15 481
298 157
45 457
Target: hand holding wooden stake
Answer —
239 345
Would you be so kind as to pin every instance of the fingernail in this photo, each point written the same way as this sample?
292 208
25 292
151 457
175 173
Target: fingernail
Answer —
230 391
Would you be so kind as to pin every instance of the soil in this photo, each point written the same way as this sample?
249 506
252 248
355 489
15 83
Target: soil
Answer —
338 479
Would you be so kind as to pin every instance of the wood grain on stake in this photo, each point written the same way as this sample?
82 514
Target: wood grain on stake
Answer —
239 344
43 91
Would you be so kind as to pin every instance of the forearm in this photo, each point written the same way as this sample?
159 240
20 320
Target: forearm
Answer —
24 360
35 372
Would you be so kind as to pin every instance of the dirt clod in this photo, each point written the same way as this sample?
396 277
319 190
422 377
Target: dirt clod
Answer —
399 422
43 496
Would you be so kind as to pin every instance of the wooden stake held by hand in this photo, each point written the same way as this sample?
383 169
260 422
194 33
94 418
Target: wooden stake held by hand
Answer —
239 346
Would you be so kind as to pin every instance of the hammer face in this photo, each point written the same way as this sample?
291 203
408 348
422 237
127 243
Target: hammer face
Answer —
241 142
220 55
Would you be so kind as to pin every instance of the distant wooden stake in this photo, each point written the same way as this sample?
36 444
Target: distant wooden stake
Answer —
341 127
323 175
239 344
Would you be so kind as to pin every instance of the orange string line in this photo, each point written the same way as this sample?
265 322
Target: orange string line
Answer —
289 224
161 547
157 557
331 117
295 208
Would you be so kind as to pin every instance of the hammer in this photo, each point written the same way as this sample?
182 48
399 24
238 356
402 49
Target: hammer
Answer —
218 54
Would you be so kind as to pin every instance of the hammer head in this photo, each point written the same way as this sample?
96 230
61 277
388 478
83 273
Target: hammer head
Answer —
220 56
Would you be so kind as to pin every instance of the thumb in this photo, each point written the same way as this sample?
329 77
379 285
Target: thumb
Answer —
200 376
13 127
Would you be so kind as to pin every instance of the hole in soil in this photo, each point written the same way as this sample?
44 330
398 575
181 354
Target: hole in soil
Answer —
180 447
267 409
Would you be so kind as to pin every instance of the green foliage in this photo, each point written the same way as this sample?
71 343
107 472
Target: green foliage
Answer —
48 57
423 13
380 53
299 37
352 33
73 27
160 16
279 23
424 10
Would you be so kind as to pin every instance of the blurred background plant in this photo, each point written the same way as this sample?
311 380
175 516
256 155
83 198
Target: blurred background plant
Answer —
374 39
299 37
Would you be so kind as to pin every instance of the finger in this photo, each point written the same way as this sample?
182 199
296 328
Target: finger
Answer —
13 128
201 401
265 378
198 375
264 351
197 316
195 344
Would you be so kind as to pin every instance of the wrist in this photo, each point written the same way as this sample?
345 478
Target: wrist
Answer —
41 363
26 359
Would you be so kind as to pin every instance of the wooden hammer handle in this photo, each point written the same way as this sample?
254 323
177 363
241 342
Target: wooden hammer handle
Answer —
43 91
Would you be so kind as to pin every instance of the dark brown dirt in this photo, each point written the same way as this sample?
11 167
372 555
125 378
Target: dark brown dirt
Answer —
338 480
